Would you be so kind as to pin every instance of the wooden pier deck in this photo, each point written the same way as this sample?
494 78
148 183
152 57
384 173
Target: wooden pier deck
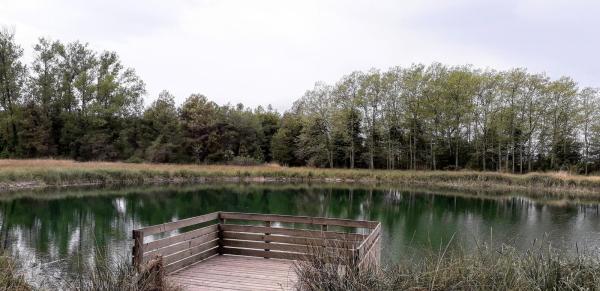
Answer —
247 251
237 273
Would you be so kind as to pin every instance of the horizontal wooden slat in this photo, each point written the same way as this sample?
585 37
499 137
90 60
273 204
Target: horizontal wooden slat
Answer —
160 243
293 232
190 252
299 219
190 260
264 245
289 239
264 254
281 247
174 248
178 224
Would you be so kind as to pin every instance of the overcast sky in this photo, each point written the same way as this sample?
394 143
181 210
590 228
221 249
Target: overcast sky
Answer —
270 52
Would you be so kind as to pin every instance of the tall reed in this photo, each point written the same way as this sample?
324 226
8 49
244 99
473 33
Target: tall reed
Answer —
541 267
108 274
10 277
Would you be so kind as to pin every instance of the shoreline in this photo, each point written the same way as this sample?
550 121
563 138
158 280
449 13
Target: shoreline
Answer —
19 175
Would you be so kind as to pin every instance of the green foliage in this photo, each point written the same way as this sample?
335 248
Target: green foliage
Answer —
438 117
284 142
12 81
76 103
162 134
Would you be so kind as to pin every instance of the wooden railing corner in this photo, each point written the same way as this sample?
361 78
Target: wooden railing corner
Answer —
270 240
138 248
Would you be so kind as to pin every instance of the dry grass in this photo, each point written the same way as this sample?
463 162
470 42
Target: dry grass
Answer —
117 274
10 279
485 268
17 174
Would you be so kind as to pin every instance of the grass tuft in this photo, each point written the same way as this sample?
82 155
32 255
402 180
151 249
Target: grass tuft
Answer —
107 275
486 268
10 277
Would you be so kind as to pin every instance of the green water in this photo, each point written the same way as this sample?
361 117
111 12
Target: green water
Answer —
55 232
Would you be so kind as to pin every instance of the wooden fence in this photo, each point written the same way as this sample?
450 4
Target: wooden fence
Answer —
257 235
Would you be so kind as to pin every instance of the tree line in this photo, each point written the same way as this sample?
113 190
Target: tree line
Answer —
76 103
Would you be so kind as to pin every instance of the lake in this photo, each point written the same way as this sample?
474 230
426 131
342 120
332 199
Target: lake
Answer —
53 232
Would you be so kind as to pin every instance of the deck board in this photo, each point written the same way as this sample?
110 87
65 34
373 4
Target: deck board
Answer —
229 272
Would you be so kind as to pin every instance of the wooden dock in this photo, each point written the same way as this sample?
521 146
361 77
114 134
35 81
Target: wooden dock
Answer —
247 251
237 273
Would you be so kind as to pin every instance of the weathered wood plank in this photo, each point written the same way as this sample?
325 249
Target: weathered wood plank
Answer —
263 253
238 273
264 245
288 239
258 267
190 252
299 219
239 261
177 247
190 260
204 284
236 277
154 229
268 254
305 249
293 232
160 243
238 270
138 248
243 271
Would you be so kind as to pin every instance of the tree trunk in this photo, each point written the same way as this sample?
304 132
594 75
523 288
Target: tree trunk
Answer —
410 152
521 159
456 156
499 157
352 142
352 155
529 154
415 154
483 154
432 156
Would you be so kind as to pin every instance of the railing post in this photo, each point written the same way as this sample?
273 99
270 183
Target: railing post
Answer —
138 248
324 237
357 259
220 234
267 224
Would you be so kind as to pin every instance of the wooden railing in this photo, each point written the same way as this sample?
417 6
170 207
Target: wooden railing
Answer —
256 235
